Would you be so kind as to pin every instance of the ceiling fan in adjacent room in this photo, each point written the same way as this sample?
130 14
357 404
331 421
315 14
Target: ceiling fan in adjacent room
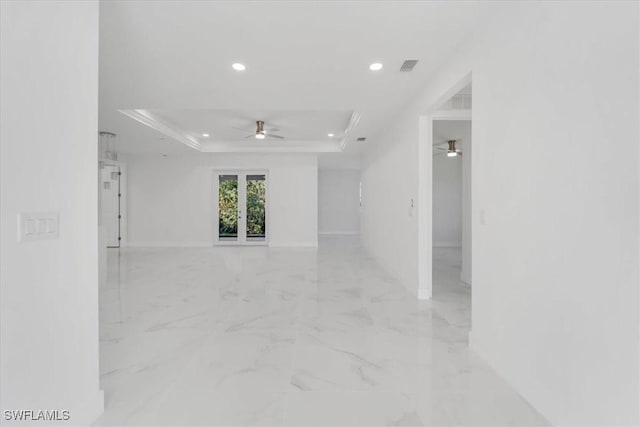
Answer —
262 132
448 147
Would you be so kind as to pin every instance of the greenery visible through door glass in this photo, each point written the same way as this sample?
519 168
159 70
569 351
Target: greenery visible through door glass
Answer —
255 206
228 203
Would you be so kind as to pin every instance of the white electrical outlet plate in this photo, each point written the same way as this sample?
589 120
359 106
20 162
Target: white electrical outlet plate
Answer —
37 226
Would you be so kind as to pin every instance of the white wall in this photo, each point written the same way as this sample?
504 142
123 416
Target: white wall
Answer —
389 177
171 202
338 201
555 268
447 199
49 114
349 159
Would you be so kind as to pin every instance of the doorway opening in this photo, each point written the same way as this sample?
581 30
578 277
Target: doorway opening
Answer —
451 193
454 105
240 208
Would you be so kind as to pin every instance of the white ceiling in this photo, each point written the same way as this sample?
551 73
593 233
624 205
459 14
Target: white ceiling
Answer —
234 130
467 90
307 65
445 130
234 125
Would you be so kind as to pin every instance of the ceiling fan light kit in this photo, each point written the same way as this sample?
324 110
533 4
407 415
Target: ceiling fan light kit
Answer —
451 152
262 133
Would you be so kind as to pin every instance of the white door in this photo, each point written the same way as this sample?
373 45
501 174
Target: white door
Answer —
111 204
240 207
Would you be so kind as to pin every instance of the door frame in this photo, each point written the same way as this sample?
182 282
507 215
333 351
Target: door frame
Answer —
214 203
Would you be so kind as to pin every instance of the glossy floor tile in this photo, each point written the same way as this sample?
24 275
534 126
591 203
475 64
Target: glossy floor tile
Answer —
293 337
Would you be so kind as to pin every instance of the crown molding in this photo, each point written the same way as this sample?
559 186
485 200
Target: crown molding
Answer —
353 122
149 119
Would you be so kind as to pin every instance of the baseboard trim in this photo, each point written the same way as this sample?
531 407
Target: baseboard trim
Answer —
338 233
388 269
293 245
424 294
169 244
476 346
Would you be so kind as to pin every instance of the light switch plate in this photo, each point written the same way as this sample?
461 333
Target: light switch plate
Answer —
37 226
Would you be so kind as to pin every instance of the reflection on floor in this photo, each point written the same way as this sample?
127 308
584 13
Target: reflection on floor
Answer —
259 336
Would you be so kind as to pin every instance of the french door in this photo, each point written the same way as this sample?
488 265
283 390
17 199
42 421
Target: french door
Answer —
110 204
240 208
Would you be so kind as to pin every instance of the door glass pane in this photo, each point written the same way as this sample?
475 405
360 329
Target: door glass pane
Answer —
110 205
256 198
228 207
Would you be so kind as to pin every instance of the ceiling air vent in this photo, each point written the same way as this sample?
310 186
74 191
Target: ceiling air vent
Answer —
408 65
361 139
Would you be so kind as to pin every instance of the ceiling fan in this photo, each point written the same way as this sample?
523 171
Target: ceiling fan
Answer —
262 133
450 148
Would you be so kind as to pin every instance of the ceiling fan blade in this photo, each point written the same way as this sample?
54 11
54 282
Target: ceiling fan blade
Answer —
270 135
253 135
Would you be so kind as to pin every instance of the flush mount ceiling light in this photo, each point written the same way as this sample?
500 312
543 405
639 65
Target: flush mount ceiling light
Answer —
206 135
238 66
451 152
376 66
330 135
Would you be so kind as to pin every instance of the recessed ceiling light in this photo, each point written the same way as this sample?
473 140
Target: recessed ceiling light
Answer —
376 66
206 135
330 135
238 66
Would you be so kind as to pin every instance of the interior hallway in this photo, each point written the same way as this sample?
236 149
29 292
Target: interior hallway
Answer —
264 336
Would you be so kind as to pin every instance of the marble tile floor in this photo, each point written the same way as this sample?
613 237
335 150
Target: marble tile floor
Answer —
290 337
